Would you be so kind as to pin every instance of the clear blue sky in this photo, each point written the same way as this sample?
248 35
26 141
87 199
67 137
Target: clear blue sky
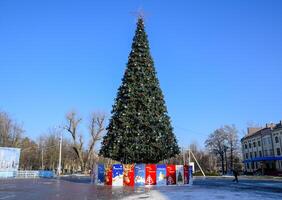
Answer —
218 62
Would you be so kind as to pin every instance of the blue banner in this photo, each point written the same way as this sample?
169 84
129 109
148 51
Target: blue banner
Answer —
46 174
190 175
161 175
101 174
139 173
117 175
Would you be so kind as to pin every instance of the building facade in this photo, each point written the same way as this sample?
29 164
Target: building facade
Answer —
261 149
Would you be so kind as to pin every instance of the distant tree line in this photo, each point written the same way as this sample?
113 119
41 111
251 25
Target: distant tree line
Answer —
43 153
224 144
221 153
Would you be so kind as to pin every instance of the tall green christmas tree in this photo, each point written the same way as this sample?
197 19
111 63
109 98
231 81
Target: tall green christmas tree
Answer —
139 130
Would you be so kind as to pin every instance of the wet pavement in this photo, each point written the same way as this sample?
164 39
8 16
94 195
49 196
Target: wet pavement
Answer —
80 188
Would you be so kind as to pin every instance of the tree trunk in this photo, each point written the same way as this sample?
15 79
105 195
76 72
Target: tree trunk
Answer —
231 156
226 163
222 164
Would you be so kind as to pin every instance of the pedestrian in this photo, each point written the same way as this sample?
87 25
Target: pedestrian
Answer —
235 174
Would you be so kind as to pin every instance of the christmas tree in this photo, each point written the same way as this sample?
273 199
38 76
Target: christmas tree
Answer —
139 130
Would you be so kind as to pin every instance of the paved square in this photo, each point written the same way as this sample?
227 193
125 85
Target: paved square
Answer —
209 188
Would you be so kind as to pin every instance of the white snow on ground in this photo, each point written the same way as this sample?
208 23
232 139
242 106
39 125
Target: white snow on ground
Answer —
154 194
198 193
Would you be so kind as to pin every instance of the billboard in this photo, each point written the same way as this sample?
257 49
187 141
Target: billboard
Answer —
100 174
128 175
117 175
171 174
9 161
161 175
139 172
108 175
186 174
151 174
179 174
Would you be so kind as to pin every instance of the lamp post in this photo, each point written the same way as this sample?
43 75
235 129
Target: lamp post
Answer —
60 155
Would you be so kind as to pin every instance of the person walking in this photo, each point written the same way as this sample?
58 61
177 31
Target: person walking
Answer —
235 174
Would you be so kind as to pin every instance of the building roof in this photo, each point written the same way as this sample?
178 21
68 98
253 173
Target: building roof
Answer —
278 126
254 131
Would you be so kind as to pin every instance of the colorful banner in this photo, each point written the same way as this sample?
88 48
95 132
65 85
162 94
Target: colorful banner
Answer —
9 161
46 174
186 174
139 172
190 175
161 175
117 175
108 175
179 175
151 173
128 175
171 174
100 174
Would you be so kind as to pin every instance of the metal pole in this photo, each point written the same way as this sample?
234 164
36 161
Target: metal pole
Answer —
42 165
198 164
60 155
189 156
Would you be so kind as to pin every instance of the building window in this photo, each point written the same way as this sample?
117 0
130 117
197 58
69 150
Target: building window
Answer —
271 152
264 141
265 152
246 146
248 166
251 154
247 155
260 155
256 165
259 143
254 144
250 145
276 140
255 154
278 151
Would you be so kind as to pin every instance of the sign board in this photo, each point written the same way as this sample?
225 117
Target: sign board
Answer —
192 164
9 161
190 175
171 174
179 175
117 175
128 175
108 175
100 174
161 175
151 173
139 172
186 174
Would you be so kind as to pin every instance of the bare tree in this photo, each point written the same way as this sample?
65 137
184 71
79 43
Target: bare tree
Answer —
205 159
232 140
29 157
96 128
10 131
216 143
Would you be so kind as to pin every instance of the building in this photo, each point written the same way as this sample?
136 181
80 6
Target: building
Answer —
261 149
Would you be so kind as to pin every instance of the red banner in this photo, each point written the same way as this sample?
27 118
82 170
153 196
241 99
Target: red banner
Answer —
108 175
186 174
151 174
171 174
128 175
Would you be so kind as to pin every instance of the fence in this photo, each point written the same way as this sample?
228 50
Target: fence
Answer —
35 174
